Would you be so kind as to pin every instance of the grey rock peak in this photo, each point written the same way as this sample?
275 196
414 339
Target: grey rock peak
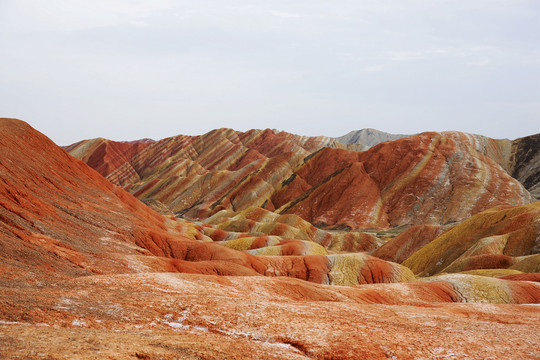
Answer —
368 137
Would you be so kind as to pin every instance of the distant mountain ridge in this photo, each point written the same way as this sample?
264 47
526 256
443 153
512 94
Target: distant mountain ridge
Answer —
368 137
432 178
519 157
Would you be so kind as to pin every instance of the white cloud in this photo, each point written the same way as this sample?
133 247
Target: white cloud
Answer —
73 15
479 62
285 15
115 65
407 55
373 68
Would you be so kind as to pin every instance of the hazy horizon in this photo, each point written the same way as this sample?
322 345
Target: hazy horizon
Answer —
127 70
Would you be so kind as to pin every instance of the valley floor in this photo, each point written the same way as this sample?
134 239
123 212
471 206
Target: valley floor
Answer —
185 316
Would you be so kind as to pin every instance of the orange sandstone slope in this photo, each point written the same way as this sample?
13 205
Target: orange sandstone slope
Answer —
201 175
171 316
433 178
407 243
60 216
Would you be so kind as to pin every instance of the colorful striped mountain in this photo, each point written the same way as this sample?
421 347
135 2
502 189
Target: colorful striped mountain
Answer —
88 271
430 178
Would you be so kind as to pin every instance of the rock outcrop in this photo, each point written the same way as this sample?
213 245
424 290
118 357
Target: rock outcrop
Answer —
257 221
367 138
407 243
520 157
524 163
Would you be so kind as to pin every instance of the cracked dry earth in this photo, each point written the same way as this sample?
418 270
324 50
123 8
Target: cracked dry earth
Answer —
188 316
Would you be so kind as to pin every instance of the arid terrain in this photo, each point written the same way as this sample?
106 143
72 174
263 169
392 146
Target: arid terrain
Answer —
269 245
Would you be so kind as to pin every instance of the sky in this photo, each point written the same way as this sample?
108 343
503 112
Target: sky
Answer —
130 69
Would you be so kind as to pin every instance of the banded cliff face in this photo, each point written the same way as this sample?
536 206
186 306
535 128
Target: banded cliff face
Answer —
200 175
520 158
107 156
524 163
433 178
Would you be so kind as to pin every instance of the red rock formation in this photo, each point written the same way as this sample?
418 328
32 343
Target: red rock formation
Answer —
257 221
56 212
485 261
506 231
106 156
433 178
523 277
59 214
86 272
408 242
428 178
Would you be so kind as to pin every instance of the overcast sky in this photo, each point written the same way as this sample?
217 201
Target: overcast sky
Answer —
125 70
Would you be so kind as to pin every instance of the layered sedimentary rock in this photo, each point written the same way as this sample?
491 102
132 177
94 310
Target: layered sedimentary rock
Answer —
433 178
407 243
501 237
107 156
257 221
519 157
88 271
60 216
214 317
56 212
524 163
